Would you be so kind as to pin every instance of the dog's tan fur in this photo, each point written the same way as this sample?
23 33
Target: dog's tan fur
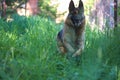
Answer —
72 38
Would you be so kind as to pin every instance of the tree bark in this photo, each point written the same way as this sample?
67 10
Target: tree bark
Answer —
4 7
115 12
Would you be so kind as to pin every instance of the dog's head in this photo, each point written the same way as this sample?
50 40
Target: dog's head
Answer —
76 15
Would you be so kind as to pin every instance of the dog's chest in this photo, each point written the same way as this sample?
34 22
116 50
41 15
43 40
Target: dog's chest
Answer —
74 36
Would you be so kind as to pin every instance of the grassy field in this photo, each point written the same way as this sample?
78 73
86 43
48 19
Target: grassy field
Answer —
28 52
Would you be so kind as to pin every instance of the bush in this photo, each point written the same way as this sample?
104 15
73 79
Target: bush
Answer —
46 9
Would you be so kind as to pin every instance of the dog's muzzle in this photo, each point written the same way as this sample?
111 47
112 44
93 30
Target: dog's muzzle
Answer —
77 21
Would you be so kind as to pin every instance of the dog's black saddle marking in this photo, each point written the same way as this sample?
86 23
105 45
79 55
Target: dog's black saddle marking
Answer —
60 35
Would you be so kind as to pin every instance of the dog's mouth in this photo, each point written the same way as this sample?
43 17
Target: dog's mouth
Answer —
77 21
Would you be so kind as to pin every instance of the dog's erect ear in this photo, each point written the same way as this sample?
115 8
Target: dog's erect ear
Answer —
71 6
81 5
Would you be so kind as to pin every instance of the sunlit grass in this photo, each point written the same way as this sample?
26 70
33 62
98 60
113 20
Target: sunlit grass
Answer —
28 51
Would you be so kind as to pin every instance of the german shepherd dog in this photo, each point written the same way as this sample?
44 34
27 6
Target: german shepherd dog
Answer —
71 38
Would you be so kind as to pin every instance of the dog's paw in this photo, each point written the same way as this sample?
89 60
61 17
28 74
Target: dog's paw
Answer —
77 53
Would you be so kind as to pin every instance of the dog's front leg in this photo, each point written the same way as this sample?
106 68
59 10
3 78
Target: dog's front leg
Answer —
80 46
77 53
68 43
70 50
69 47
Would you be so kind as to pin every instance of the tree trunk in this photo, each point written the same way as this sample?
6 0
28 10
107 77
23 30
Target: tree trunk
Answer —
4 7
115 12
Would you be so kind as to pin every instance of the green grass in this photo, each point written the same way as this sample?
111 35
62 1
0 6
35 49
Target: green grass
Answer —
28 52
